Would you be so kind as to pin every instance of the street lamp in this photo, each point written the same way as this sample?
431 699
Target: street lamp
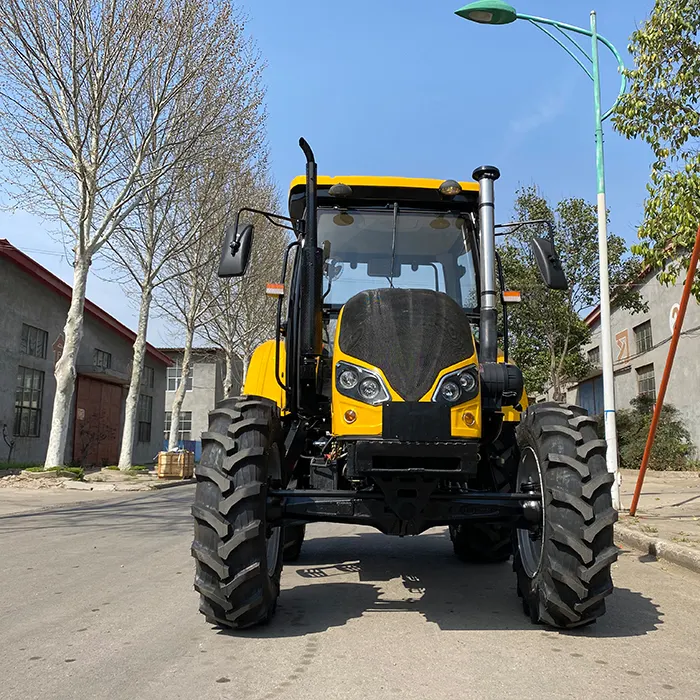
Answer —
499 12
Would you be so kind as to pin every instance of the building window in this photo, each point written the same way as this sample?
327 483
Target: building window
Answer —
145 412
29 397
646 384
148 380
184 431
594 357
102 359
175 374
642 337
34 341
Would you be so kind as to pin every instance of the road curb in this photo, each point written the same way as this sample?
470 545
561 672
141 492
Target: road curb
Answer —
661 549
172 484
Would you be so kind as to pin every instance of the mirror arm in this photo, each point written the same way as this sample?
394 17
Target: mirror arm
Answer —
504 306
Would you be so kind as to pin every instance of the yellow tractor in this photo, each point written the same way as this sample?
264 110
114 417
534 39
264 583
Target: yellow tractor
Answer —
387 399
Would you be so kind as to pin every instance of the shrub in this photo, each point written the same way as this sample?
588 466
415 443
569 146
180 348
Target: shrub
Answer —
673 449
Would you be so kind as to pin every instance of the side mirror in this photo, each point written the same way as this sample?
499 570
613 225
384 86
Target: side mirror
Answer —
548 263
236 252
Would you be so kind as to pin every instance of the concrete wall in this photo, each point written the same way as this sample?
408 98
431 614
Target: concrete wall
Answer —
684 386
208 374
25 300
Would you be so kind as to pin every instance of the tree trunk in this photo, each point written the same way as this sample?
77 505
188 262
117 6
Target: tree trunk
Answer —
65 368
180 393
228 377
126 452
245 361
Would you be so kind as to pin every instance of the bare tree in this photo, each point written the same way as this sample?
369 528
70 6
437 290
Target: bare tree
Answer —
72 101
184 296
239 315
151 247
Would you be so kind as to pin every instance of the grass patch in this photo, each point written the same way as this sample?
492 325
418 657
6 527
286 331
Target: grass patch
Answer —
139 469
72 472
112 468
6 466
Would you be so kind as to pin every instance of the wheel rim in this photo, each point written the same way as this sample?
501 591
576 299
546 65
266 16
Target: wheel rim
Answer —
530 548
274 535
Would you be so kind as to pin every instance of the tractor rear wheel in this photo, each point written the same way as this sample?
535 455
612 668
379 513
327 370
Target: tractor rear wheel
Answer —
293 540
238 555
563 568
484 543
480 543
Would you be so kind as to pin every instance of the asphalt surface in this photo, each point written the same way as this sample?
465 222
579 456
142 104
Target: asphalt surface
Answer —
96 602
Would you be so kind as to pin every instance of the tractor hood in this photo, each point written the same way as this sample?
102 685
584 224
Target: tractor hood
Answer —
410 334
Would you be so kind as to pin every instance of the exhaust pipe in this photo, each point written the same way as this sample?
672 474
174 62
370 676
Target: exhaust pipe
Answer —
486 175
311 331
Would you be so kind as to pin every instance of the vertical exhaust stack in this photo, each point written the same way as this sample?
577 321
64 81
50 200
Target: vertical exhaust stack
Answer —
311 288
486 175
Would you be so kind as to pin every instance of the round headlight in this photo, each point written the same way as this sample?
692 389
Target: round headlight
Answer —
348 379
450 392
370 389
467 381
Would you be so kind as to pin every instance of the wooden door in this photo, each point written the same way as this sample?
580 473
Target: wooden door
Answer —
98 407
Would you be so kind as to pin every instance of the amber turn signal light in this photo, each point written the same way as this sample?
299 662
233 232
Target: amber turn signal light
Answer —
468 418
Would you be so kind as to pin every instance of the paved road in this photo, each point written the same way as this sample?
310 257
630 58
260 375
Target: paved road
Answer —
96 602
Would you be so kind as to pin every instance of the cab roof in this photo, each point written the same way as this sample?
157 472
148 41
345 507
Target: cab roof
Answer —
376 191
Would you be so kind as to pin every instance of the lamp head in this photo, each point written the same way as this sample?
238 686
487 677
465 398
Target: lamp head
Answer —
488 12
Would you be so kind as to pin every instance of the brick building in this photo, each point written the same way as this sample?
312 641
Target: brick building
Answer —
640 347
34 305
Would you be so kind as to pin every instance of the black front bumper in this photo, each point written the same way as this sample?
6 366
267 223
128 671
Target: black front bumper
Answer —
444 459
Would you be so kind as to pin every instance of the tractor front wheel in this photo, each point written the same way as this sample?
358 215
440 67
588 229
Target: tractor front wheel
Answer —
238 554
563 566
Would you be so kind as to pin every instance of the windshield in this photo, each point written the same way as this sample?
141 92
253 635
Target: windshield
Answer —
428 251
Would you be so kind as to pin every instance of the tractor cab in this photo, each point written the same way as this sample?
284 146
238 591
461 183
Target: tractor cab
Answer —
395 233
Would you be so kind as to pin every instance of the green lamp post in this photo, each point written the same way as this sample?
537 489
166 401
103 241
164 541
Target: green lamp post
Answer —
498 12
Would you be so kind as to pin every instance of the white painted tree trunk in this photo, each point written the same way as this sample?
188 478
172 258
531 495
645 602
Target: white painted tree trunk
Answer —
126 452
228 377
245 361
180 393
65 372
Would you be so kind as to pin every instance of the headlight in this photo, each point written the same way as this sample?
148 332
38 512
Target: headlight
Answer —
450 392
348 379
467 381
370 389
360 384
458 387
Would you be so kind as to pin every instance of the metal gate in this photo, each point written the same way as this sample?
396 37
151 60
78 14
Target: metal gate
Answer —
98 409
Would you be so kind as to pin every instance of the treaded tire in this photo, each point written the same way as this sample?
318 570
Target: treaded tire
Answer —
241 452
573 578
293 541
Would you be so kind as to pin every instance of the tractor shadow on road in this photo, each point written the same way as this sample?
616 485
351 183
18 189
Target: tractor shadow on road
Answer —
338 579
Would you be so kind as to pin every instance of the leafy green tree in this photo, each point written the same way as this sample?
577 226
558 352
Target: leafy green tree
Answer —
662 108
673 449
546 330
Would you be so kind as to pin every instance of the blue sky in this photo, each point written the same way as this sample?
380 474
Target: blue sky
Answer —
405 87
